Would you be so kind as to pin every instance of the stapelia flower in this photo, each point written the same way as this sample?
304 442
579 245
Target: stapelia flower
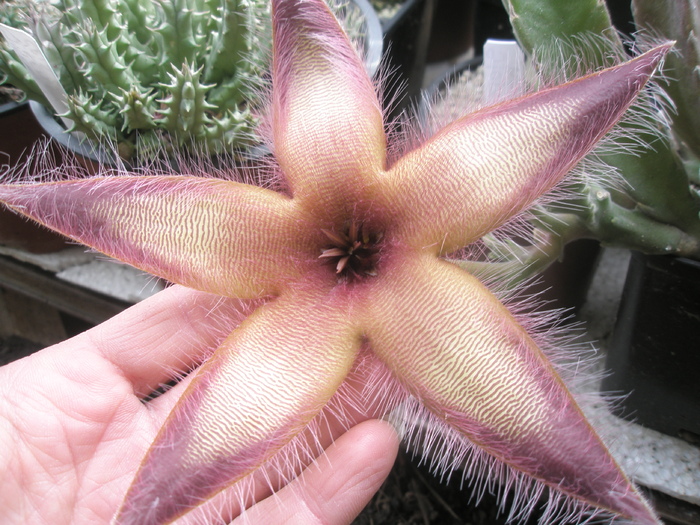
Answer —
348 256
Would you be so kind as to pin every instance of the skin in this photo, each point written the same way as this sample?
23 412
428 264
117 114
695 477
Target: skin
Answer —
74 427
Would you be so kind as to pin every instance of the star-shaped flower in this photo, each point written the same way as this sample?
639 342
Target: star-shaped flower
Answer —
348 256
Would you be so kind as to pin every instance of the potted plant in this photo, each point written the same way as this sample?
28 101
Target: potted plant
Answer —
18 134
653 352
149 78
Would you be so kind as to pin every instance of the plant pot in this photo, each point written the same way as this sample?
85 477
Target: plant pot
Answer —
374 40
491 22
452 30
425 31
19 132
86 151
653 356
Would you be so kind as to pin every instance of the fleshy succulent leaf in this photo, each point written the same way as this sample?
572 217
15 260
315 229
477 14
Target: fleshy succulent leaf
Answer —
679 21
89 116
534 20
14 73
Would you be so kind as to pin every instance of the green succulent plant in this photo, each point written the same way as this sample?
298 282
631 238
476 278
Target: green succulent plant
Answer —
654 206
139 73
152 75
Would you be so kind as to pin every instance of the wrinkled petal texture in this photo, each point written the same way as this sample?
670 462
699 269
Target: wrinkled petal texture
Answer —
479 171
327 122
459 350
260 389
218 236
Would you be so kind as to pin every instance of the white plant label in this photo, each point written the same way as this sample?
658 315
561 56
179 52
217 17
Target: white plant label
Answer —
29 52
504 71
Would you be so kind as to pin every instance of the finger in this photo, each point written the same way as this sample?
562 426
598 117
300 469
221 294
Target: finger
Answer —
163 336
338 485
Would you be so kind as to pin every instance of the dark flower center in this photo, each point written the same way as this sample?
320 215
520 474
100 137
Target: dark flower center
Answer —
353 252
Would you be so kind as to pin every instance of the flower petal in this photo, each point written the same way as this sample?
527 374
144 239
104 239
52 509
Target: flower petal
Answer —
260 389
494 163
460 352
213 235
327 123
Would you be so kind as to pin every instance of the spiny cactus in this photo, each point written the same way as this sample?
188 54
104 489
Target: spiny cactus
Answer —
12 71
141 73
174 72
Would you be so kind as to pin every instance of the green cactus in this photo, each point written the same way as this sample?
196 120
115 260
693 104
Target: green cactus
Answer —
89 117
656 209
544 21
185 108
144 74
14 73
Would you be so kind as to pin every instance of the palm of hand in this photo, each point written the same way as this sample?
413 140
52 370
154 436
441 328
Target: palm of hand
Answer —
75 441
74 426
71 442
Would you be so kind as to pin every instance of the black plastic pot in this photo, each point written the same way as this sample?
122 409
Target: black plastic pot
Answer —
406 38
655 352
452 32
19 132
424 31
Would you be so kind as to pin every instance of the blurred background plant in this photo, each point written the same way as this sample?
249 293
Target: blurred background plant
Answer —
152 75
654 205
11 14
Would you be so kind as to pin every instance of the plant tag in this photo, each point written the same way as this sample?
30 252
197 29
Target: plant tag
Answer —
29 52
504 71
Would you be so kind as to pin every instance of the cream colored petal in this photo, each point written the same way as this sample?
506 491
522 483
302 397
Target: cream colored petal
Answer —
259 390
482 169
217 236
327 121
461 353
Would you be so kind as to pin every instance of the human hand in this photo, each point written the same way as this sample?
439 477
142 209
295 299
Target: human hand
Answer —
74 423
